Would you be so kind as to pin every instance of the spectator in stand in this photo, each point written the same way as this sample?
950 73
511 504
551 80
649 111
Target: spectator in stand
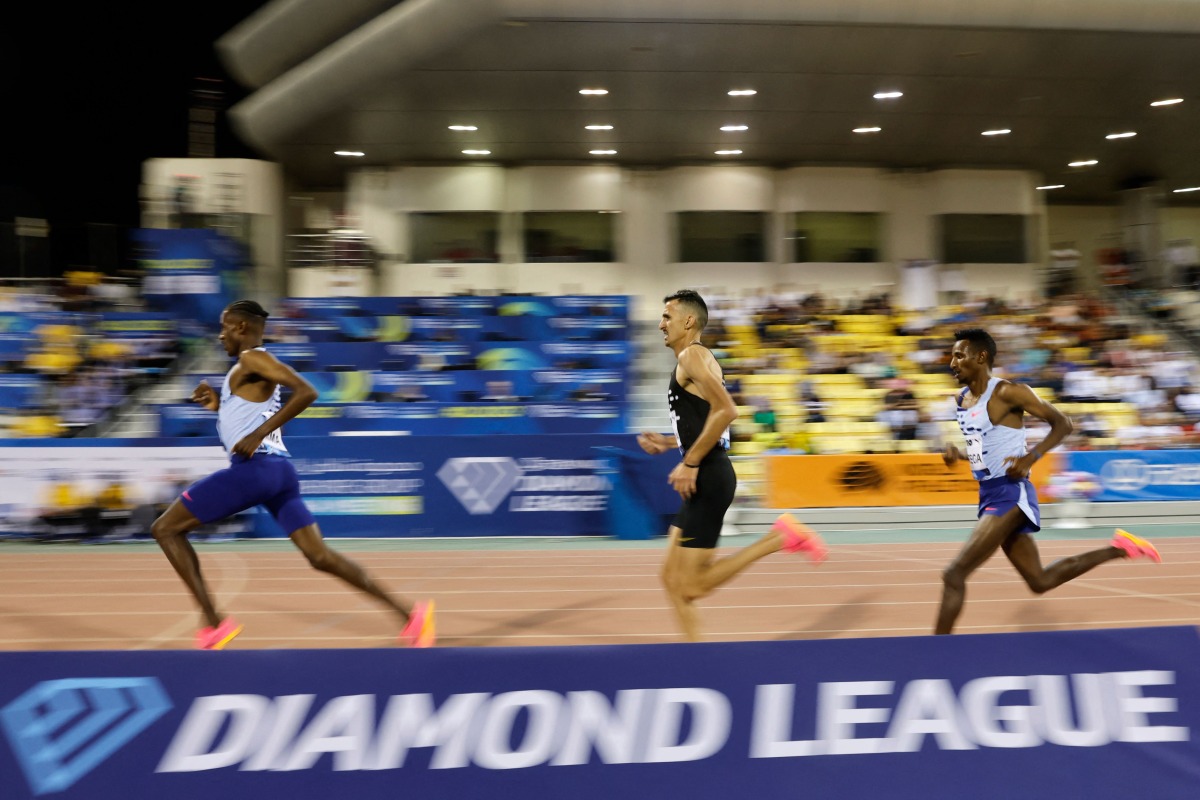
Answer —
901 417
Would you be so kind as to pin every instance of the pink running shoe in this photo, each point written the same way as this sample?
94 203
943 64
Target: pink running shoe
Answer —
216 638
1135 546
420 630
798 537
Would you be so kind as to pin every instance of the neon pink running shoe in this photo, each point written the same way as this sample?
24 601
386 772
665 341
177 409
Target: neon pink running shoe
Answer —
216 638
799 538
1135 546
420 630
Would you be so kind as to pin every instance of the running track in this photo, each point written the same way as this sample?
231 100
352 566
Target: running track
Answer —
568 592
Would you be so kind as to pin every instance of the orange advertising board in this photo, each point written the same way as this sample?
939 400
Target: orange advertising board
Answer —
885 479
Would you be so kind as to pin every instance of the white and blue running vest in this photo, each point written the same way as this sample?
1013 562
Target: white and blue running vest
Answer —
988 445
237 417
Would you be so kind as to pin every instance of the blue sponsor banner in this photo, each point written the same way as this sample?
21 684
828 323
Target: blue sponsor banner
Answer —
384 486
470 486
136 325
467 306
420 419
400 356
19 391
192 273
1140 474
1038 716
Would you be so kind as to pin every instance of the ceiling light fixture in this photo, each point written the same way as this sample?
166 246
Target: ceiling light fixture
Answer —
1188 189
1170 102
888 95
1089 163
1051 186
735 127
997 132
354 153
598 127
728 152
463 128
742 92
867 130
1125 135
477 152
603 152
593 91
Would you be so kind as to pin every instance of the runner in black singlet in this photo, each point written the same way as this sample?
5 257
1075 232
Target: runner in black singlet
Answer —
701 413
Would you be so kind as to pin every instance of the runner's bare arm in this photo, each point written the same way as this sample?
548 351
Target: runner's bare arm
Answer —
1019 395
700 366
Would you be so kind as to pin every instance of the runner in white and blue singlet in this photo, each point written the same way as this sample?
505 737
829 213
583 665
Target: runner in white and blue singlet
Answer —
991 414
250 417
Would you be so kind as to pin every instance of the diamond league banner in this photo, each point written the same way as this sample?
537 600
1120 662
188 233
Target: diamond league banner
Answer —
1038 716
494 485
377 486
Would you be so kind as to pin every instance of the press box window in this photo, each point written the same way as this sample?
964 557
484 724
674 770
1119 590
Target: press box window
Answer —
566 236
835 237
455 237
721 235
984 238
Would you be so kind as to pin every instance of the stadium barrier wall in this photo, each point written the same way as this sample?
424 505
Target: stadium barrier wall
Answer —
886 479
869 480
382 486
1038 716
420 419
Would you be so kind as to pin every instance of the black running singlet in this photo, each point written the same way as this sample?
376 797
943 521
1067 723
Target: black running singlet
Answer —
688 413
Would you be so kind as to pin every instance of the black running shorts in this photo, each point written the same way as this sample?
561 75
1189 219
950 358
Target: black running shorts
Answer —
700 518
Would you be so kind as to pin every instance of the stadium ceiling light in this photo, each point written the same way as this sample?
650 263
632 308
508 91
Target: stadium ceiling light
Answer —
997 132
742 92
351 153
867 130
593 91
1188 189
1169 102
1051 186
1125 135
477 152
727 152
598 127
888 95
603 152
735 127
463 128
1089 163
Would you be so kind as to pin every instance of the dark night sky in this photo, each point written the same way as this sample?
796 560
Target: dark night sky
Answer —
94 90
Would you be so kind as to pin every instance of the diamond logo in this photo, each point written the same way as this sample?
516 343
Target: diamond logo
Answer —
480 484
62 730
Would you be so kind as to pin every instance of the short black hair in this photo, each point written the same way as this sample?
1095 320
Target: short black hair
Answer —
978 339
691 298
248 310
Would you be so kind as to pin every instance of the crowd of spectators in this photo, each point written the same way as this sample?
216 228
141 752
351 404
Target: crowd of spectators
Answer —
72 373
1117 375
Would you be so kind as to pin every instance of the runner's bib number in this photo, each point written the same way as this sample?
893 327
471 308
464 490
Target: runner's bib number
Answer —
975 453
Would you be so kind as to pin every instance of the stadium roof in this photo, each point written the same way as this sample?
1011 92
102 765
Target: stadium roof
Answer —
388 79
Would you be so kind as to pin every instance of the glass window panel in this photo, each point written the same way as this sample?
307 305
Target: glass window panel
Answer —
984 239
722 235
568 236
455 237
835 236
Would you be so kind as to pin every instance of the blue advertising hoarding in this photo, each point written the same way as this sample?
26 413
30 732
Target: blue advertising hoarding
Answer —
1039 716
1140 474
192 273
383 486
